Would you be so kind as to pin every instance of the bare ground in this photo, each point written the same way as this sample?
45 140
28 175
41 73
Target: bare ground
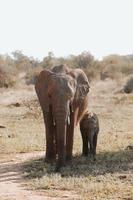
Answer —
22 131
11 180
12 183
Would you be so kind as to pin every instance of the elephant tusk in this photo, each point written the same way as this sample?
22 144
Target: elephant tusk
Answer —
71 108
68 120
54 122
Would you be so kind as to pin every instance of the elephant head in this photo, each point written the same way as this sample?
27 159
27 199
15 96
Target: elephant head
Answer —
82 84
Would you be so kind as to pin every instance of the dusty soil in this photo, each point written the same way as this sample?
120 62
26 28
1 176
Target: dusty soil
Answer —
11 180
22 139
13 185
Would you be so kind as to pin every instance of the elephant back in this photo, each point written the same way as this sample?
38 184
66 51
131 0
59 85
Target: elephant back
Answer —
61 69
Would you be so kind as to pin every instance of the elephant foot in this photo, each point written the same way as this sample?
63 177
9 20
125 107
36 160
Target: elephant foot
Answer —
85 151
57 169
68 158
94 159
69 161
92 156
59 166
85 154
50 159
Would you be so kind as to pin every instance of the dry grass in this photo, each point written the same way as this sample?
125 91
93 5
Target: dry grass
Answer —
19 115
110 177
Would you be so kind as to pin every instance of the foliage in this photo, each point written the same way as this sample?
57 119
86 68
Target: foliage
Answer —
128 88
12 66
115 66
7 71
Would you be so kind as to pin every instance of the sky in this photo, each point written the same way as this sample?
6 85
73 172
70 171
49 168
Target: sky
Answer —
66 27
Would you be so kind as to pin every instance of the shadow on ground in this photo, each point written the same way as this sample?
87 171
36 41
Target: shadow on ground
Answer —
10 172
107 162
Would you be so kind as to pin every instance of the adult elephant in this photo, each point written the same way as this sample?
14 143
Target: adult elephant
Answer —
63 96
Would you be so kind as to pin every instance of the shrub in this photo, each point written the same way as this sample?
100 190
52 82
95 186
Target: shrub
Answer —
114 66
32 75
128 88
6 80
7 71
12 67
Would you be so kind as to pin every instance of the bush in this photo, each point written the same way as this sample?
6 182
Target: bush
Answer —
7 71
115 66
110 71
32 74
6 80
128 88
12 67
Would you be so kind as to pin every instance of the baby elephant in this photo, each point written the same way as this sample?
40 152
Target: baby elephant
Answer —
89 127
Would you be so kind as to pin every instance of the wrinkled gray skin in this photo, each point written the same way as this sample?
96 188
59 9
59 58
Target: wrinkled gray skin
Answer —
63 96
89 127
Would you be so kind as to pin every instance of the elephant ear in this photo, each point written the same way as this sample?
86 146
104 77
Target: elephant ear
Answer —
82 85
41 87
83 90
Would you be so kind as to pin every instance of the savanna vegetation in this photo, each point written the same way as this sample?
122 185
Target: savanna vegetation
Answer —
18 66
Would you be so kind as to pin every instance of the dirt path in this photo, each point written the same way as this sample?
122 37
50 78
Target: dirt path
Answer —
11 181
12 184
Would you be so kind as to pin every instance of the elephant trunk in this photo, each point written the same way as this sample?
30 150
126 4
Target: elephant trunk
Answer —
61 115
61 126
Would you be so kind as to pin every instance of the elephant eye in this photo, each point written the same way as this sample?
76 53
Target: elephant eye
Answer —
49 95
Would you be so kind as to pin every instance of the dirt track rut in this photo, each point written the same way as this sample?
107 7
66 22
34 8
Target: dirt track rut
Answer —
12 184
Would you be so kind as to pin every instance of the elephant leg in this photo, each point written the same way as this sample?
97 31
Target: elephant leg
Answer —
85 149
70 135
94 145
91 139
55 131
50 137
